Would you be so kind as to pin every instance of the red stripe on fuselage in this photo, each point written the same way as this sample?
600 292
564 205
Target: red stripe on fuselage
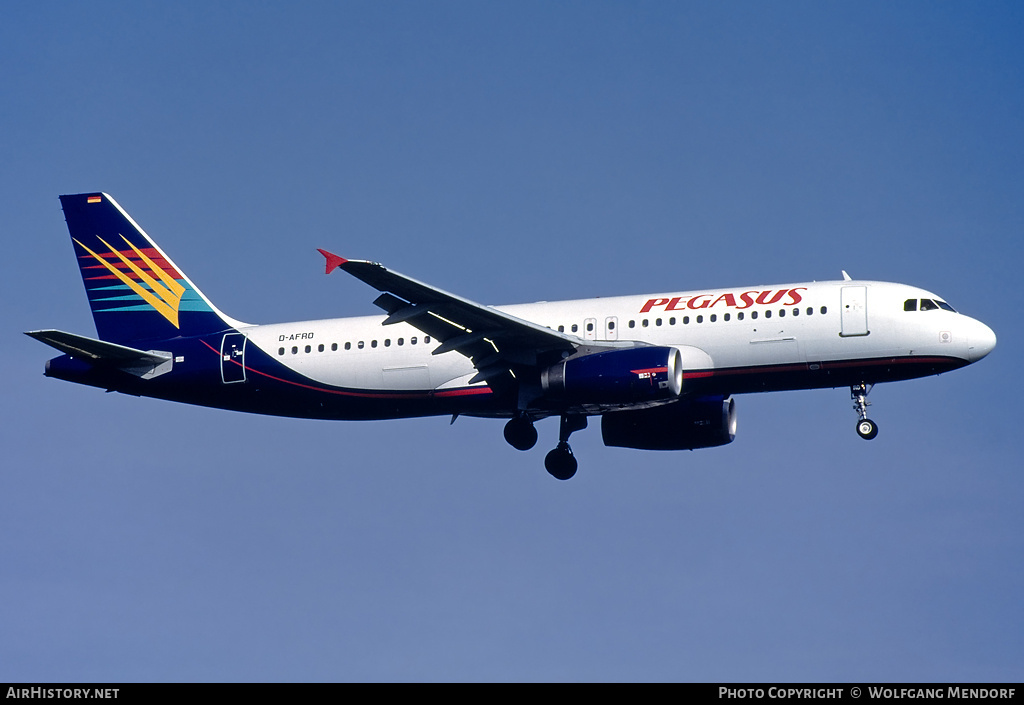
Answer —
823 366
465 391
802 367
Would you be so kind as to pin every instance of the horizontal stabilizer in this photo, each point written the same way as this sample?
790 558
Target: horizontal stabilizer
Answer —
142 363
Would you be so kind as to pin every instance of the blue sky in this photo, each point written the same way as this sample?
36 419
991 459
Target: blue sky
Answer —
514 152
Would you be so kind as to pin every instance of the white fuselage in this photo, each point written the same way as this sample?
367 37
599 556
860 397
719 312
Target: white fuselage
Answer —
761 327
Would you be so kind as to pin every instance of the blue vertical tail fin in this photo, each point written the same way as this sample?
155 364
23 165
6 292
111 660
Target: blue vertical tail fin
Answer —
135 291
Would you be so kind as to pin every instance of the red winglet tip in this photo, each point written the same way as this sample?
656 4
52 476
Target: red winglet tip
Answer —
333 261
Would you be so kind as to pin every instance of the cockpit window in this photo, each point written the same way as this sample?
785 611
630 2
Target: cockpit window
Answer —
927 305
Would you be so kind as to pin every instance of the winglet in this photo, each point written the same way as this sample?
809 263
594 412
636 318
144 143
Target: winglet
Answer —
333 261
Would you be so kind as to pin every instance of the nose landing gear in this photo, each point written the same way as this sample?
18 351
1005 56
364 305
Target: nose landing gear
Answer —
866 428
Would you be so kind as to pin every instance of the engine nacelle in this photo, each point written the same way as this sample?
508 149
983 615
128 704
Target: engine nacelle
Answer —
685 425
628 376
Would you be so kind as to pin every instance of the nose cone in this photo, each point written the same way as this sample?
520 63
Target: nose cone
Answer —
981 340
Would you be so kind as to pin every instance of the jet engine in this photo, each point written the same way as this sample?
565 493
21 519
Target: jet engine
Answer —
687 424
629 376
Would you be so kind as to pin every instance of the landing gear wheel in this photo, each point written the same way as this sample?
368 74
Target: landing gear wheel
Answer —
521 433
867 429
560 462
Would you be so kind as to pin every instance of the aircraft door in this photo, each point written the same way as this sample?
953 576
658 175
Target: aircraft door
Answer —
232 358
590 329
611 328
853 309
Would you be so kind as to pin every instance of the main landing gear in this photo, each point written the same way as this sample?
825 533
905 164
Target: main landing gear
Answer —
521 433
560 462
866 428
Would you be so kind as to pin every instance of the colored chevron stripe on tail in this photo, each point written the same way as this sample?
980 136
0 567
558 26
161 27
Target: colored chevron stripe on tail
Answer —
164 296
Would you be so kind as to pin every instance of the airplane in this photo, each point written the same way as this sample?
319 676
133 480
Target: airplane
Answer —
660 370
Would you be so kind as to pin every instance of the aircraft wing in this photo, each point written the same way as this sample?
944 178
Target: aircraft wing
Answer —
495 341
